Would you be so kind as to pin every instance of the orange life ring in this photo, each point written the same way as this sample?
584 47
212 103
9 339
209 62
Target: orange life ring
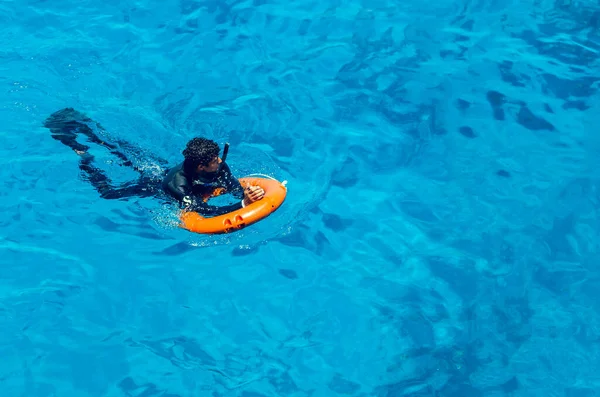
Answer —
275 193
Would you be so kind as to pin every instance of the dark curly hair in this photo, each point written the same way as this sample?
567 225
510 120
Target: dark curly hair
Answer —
200 151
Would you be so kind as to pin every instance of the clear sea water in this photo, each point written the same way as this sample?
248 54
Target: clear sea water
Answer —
440 235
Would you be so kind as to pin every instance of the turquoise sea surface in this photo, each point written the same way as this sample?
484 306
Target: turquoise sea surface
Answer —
440 236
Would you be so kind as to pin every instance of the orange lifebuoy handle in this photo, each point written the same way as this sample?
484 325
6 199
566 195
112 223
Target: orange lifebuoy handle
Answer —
275 193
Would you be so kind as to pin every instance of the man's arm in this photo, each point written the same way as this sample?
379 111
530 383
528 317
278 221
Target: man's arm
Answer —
230 182
177 185
199 206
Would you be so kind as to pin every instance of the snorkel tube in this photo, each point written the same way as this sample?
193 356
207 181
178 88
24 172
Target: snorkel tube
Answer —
225 151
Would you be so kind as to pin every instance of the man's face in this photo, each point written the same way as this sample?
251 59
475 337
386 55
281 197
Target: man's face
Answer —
213 166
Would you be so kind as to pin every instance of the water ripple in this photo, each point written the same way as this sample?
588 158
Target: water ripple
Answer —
440 234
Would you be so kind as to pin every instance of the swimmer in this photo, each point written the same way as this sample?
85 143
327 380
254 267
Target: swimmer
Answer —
201 171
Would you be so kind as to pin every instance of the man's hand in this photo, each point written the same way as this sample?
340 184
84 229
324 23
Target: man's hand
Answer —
252 194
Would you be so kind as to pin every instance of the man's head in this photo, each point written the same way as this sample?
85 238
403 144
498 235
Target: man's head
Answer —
202 155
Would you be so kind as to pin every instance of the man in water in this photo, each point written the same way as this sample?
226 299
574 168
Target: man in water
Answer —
190 183
203 171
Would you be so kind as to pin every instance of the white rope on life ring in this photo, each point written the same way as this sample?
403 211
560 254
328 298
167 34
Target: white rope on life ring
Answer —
284 183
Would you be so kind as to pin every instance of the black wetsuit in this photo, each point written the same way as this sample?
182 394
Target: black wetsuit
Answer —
182 182
64 126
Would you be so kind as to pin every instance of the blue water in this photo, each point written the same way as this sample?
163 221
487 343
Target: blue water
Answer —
440 235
